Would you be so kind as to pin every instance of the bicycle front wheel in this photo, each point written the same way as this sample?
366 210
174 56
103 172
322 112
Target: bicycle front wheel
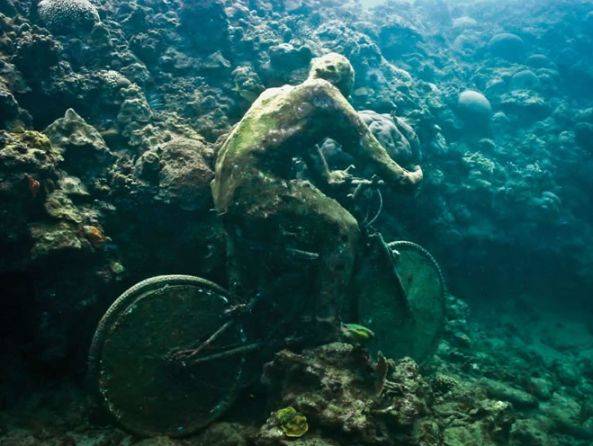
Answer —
130 357
417 330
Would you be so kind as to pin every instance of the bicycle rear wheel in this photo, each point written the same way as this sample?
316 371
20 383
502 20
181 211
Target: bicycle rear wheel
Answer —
141 387
417 333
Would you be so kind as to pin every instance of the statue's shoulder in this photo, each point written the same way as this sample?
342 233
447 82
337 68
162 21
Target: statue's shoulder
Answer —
319 87
273 92
317 83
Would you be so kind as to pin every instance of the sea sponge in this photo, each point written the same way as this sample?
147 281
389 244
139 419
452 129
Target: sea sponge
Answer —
292 423
68 16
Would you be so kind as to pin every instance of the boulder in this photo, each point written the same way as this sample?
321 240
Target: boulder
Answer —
398 137
399 37
285 56
85 153
205 23
36 55
525 79
525 104
539 61
584 136
9 107
184 176
463 22
502 391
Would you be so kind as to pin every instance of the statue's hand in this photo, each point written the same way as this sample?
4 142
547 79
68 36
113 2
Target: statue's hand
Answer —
415 176
407 178
339 178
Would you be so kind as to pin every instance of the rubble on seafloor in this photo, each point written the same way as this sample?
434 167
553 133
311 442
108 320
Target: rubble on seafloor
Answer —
486 389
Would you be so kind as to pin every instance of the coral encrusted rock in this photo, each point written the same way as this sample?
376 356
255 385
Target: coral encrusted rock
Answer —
84 150
68 16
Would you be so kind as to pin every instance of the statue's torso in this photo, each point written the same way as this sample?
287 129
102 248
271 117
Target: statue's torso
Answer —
278 126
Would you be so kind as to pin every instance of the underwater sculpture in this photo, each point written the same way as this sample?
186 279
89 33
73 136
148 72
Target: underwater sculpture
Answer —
265 207
172 353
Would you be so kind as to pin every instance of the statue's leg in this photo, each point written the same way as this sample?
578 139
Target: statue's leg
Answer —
294 218
334 233
339 241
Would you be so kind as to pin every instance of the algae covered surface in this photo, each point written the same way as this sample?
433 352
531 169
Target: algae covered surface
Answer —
116 117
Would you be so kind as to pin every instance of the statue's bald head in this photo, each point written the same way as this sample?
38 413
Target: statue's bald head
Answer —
335 68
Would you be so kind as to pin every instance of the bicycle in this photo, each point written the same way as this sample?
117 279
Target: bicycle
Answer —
172 352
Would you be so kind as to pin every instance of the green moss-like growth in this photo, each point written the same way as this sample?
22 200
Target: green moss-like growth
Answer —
292 423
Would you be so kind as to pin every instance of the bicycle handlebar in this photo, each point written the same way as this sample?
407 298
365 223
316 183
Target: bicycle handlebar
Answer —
375 181
360 183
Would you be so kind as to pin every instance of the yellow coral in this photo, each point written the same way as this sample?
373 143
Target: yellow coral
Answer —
292 423
94 235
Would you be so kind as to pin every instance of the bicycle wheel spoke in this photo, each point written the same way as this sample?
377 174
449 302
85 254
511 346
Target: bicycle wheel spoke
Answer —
227 353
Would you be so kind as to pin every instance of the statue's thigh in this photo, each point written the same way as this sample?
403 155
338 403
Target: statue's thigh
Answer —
293 217
319 220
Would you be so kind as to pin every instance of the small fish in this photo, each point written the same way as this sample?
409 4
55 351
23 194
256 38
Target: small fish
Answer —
34 186
94 235
356 333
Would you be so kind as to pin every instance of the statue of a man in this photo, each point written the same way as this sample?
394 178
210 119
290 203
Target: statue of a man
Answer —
270 214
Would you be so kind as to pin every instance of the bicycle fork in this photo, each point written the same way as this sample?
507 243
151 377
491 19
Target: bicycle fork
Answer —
401 297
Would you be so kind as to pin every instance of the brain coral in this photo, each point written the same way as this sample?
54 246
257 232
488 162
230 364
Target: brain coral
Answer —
398 138
508 46
68 16
473 106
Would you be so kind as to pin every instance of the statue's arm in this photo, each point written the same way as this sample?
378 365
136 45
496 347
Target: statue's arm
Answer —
321 174
345 126
317 165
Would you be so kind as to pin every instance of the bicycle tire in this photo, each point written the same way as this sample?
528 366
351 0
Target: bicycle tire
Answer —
145 393
397 335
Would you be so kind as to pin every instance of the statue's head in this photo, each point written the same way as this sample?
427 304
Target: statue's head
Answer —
335 68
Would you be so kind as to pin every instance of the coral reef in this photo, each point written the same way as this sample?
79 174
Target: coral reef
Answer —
112 112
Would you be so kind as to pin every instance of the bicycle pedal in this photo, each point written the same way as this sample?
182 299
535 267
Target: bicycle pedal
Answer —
236 309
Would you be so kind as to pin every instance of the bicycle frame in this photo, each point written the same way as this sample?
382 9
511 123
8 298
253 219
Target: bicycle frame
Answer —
369 233
192 356
199 355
